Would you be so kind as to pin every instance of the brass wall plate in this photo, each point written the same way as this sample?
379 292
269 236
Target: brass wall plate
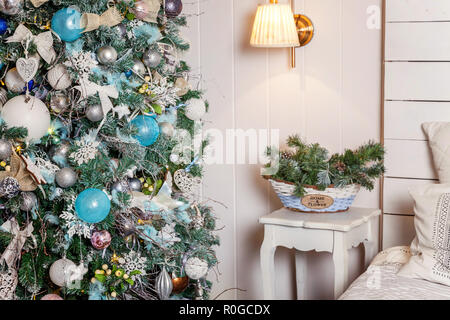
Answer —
305 29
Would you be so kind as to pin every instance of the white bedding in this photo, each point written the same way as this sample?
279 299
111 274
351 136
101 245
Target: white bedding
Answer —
380 281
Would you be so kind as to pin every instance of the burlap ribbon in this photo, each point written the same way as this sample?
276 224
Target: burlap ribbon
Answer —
20 173
12 252
92 21
38 3
43 42
153 9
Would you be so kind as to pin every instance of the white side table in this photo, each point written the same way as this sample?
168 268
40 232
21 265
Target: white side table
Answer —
335 233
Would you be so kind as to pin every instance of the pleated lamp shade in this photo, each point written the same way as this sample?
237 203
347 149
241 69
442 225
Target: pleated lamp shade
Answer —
274 27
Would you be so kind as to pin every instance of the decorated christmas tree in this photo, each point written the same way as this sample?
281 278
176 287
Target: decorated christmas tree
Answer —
99 180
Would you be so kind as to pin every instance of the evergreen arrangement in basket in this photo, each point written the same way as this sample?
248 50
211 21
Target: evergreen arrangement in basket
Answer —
309 180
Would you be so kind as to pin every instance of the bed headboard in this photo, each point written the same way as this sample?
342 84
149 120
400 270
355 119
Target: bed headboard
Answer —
416 74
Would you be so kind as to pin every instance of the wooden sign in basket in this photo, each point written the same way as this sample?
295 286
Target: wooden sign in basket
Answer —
330 200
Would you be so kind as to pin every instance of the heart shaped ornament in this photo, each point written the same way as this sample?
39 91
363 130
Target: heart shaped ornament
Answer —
27 68
186 182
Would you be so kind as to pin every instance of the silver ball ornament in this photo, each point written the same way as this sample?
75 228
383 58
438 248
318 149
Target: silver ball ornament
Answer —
60 271
139 67
59 102
14 81
135 184
5 149
11 7
28 201
167 129
94 113
107 55
61 151
66 177
152 58
120 186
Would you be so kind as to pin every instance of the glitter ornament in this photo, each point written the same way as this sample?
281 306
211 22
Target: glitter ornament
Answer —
11 7
14 81
101 239
59 78
173 8
3 96
152 58
9 187
28 201
195 109
66 177
5 149
94 113
107 55
120 186
32 114
60 271
196 268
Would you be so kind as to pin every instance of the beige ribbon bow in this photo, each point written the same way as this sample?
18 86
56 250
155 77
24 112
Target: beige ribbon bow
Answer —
88 88
92 21
38 3
12 252
20 172
43 42
153 10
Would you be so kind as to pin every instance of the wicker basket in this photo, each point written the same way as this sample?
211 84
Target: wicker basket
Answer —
330 200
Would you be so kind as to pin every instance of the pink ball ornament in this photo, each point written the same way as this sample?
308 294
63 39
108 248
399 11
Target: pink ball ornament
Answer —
51 296
140 10
101 239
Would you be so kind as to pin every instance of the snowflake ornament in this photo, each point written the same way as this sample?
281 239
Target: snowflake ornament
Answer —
83 62
133 261
86 149
164 93
73 224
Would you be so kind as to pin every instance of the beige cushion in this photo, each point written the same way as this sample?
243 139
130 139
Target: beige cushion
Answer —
438 134
430 249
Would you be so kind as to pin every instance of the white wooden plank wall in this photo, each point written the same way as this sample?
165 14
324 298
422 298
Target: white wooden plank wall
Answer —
417 78
332 97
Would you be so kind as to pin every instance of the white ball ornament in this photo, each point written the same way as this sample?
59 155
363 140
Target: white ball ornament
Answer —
60 271
14 81
196 268
59 78
32 114
195 109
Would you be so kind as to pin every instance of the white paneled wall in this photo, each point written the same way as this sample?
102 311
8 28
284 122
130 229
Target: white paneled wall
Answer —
332 97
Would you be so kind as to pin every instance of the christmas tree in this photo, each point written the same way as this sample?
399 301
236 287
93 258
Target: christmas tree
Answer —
99 180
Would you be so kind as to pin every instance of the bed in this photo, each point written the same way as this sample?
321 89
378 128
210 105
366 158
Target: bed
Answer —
381 282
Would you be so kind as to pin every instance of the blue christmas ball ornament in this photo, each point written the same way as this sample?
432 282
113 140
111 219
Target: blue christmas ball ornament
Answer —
3 26
66 23
92 205
148 129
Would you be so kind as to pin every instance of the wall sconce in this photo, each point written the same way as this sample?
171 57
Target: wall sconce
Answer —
276 26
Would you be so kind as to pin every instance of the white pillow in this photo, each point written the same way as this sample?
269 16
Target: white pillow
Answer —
430 249
439 141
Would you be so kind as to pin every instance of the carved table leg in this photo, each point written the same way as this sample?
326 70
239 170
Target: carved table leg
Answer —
267 254
340 259
300 268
